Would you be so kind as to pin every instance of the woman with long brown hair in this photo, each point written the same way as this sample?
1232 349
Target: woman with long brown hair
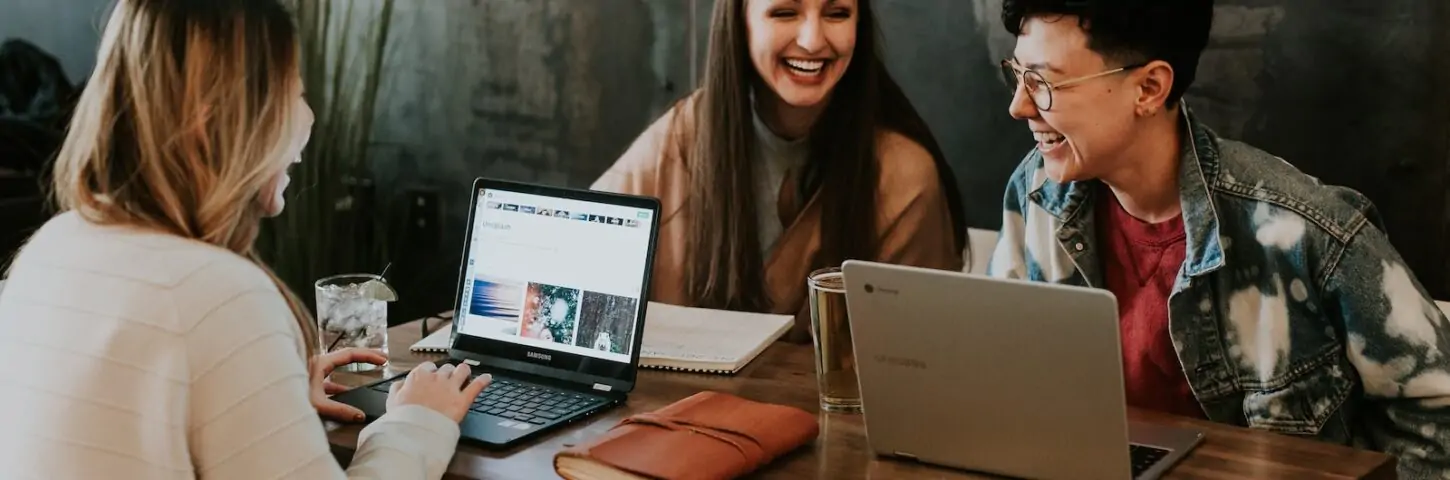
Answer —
797 152
144 338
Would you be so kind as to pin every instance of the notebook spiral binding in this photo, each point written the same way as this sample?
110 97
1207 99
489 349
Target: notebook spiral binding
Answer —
443 348
685 370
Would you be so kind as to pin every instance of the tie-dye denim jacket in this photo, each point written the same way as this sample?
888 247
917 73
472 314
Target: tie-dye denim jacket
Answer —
1291 313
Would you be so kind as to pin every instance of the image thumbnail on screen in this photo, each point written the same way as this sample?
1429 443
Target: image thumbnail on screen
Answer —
497 303
607 323
550 312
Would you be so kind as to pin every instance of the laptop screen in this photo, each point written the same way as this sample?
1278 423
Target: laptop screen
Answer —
558 279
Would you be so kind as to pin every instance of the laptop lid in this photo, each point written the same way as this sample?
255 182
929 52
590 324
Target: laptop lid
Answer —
1008 377
554 282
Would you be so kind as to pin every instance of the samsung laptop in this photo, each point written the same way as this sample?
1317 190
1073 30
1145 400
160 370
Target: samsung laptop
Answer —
1005 377
551 301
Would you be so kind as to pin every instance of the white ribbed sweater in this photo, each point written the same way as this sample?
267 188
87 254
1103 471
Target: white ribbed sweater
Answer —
133 354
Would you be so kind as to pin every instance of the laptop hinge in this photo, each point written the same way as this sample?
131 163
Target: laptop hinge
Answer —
602 387
471 362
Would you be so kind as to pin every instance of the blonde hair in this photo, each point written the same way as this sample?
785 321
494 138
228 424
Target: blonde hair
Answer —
185 120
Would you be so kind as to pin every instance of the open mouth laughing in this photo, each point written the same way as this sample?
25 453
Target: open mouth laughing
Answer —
1048 141
806 68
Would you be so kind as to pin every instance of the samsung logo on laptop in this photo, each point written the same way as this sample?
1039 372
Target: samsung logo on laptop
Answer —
540 356
901 362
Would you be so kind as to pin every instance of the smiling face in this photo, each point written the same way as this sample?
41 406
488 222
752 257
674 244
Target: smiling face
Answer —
1089 125
801 48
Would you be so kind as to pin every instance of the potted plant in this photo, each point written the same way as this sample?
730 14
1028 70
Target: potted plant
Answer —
330 225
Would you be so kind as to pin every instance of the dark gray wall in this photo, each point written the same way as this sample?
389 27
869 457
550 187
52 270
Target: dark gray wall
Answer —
939 51
549 91
68 29
1354 92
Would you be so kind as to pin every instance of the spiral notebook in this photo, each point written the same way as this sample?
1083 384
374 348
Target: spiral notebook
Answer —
707 341
436 342
684 339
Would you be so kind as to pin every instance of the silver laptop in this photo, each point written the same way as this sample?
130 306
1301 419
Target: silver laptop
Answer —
998 376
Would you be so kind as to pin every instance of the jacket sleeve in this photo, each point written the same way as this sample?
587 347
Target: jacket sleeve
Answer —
1009 258
1399 344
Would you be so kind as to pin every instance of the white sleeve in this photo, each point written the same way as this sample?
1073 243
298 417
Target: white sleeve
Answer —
250 417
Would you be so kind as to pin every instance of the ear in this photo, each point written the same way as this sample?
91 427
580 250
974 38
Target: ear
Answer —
1155 81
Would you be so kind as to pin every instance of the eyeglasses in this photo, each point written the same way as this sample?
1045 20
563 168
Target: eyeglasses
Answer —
1039 88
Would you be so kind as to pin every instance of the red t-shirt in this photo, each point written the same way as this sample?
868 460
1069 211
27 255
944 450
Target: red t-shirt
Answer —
1140 262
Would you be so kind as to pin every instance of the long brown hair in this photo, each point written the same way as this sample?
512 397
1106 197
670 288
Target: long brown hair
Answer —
185 120
727 270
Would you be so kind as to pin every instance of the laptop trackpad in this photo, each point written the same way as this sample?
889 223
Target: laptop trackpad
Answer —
372 402
492 429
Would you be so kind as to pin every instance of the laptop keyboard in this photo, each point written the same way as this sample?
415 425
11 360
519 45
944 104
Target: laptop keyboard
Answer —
526 402
1144 457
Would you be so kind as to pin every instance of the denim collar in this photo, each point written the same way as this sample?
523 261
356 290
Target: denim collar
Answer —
1199 162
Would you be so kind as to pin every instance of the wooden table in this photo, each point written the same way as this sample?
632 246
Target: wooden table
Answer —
784 374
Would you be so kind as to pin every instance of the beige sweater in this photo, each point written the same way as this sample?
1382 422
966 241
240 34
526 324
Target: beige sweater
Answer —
131 354
912 220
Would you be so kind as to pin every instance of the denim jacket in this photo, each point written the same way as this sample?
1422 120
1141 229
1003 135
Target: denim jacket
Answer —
1291 312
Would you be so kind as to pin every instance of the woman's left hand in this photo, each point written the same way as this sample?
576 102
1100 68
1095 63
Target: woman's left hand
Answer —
323 388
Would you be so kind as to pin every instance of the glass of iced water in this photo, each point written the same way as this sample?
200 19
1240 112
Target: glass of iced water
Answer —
352 311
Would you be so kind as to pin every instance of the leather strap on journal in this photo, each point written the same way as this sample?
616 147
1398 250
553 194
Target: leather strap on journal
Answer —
708 436
750 448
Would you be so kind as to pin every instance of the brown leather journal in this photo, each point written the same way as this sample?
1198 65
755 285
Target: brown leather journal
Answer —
708 436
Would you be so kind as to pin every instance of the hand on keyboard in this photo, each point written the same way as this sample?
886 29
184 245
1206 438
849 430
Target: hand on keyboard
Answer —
439 388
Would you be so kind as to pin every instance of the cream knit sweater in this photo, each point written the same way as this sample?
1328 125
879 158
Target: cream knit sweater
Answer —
132 354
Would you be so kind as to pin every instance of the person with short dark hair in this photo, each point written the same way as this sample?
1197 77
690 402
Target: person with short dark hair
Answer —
1249 293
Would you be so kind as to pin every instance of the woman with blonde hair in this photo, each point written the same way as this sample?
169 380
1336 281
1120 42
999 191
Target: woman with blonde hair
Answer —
144 337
